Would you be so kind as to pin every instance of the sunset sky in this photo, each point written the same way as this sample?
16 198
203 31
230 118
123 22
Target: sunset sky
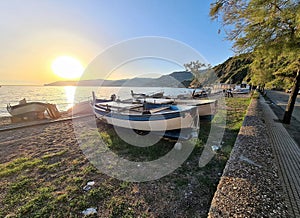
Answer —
34 33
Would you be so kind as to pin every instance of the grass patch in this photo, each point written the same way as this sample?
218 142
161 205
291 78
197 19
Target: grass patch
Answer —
120 207
255 94
18 165
51 155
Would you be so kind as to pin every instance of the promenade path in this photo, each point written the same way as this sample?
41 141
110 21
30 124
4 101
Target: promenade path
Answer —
278 102
287 157
281 99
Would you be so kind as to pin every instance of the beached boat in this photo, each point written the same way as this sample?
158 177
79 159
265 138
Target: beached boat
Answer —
204 107
25 108
199 94
32 110
146 117
196 94
81 108
144 95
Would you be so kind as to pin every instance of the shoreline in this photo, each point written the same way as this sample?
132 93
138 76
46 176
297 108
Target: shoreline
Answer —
6 124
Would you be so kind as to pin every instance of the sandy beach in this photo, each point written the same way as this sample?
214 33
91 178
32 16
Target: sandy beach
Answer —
36 140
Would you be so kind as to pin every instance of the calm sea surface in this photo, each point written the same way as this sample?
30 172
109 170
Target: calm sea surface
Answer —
65 96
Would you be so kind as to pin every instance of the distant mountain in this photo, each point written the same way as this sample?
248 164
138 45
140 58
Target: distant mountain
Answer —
175 79
62 83
76 83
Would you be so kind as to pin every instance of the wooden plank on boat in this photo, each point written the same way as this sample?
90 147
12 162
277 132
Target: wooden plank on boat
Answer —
53 111
155 110
194 102
119 105
156 101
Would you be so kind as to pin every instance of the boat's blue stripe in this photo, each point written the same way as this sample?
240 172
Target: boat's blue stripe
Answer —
145 117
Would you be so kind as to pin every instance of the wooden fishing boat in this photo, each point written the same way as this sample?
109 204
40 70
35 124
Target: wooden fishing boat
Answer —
204 107
81 108
151 95
146 117
32 111
199 94
29 109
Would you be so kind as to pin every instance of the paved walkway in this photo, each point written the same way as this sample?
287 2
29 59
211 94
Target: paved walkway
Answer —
287 157
281 99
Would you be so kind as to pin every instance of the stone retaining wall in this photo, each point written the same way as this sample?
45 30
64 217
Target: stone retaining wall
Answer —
250 186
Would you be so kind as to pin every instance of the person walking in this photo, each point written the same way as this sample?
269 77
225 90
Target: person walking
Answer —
229 93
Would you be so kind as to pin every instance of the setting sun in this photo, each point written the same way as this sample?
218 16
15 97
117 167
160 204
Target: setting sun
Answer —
67 67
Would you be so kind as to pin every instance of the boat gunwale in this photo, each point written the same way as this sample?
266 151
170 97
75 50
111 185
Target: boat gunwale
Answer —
26 104
161 115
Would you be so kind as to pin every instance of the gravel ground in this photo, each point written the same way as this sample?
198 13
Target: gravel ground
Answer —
250 186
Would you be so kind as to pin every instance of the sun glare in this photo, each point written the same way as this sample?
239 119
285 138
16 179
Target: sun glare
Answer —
70 93
67 67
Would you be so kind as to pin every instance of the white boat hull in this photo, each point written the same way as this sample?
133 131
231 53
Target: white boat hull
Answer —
28 108
158 125
161 121
205 107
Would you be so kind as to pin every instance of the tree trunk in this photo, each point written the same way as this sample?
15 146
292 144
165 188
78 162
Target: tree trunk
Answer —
291 103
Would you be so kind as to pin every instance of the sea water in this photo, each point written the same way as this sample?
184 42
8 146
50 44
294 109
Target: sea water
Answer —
66 96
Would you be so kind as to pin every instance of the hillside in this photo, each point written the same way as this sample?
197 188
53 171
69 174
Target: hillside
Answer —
234 70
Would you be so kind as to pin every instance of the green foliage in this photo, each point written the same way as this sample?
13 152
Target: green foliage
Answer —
203 74
235 69
269 29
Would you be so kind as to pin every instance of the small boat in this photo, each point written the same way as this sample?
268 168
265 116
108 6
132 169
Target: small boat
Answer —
81 108
32 110
24 109
143 95
196 94
157 117
199 94
204 107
